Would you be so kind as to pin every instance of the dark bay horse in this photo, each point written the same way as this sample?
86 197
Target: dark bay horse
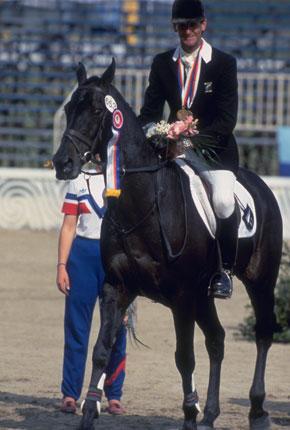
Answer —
154 244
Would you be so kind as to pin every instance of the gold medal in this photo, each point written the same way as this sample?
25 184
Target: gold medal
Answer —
183 113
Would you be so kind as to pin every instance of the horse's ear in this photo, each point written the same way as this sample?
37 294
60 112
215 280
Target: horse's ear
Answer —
109 74
81 74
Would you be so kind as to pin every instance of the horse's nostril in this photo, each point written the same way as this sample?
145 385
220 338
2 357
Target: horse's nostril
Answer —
67 168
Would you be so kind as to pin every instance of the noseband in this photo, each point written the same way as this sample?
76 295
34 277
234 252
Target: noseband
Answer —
71 134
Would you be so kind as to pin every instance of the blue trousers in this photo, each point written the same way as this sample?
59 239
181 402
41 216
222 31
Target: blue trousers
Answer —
86 281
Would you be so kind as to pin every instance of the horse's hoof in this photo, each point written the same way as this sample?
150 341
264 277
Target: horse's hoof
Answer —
204 424
90 412
97 413
204 427
84 427
189 426
262 423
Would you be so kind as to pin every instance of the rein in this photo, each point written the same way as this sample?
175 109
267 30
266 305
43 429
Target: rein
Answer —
148 169
156 205
124 171
130 230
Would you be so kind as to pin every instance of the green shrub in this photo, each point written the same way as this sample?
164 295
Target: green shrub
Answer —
282 304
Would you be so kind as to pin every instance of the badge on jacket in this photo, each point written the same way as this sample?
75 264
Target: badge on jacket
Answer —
208 87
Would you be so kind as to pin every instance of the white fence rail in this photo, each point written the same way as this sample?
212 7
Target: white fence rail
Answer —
264 99
32 198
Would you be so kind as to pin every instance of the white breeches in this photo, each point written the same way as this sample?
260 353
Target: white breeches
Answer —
220 182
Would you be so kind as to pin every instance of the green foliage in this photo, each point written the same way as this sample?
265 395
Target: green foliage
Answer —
282 304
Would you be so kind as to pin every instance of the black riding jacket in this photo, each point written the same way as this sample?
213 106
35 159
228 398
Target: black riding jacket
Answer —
215 103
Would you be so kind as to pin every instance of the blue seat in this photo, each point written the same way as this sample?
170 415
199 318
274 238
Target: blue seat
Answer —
284 150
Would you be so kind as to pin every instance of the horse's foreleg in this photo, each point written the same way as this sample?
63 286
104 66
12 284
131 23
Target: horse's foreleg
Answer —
209 323
185 363
113 308
262 298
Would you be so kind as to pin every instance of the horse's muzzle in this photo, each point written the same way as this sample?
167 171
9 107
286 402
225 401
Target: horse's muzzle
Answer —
66 168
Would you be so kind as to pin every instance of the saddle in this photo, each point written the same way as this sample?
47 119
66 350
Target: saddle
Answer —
200 197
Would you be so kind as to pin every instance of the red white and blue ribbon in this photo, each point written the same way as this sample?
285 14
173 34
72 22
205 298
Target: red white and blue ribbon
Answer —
113 150
188 87
113 166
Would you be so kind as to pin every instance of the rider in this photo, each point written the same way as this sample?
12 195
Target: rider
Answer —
198 79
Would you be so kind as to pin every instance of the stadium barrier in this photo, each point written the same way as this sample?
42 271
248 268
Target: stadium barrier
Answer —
32 198
264 100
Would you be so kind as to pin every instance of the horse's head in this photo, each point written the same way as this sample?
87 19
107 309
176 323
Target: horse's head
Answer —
86 114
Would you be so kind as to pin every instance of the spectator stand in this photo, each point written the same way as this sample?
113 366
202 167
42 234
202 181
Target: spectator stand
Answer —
41 41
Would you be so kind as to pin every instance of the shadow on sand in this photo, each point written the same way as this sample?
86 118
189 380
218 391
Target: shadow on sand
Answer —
278 411
42 413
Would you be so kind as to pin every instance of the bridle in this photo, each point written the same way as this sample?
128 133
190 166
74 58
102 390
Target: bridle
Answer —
71 134
75 137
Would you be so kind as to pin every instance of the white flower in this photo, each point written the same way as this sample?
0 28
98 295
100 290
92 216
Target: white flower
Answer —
160 128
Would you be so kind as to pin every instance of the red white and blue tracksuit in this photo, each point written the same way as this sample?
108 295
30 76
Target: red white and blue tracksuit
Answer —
84 266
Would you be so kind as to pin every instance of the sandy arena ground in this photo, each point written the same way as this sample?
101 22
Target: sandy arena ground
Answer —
31 342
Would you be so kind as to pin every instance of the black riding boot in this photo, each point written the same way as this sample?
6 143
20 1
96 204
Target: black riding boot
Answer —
221 284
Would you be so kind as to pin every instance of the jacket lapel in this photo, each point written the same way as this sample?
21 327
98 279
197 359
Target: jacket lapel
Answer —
173 66
200 79
206 58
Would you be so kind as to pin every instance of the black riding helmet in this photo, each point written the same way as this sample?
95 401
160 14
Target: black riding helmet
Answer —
186 10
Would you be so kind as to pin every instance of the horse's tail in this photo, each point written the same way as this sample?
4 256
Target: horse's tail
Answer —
132 324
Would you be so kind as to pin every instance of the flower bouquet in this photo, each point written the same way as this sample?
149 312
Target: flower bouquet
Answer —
172 140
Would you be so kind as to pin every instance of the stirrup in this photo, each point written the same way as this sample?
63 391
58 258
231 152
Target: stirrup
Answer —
221 285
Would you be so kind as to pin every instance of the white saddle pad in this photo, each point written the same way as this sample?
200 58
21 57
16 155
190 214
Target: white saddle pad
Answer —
204 208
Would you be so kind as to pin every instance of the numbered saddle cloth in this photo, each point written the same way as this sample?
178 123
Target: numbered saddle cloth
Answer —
248 223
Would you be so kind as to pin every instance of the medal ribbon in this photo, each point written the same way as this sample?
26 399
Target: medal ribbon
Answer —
188 88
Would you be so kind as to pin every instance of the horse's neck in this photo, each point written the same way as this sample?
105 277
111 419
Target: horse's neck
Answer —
134 149
134 153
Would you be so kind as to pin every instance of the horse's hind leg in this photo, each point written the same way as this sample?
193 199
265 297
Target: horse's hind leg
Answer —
207 319
185 363
260 278
261 293
112 314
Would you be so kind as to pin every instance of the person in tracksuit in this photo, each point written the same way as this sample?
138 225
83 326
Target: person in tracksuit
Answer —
198 79
80 277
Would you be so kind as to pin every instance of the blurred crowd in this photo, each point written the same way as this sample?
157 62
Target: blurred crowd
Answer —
42 41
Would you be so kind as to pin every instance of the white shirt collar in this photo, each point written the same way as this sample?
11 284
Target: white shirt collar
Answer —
205 52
